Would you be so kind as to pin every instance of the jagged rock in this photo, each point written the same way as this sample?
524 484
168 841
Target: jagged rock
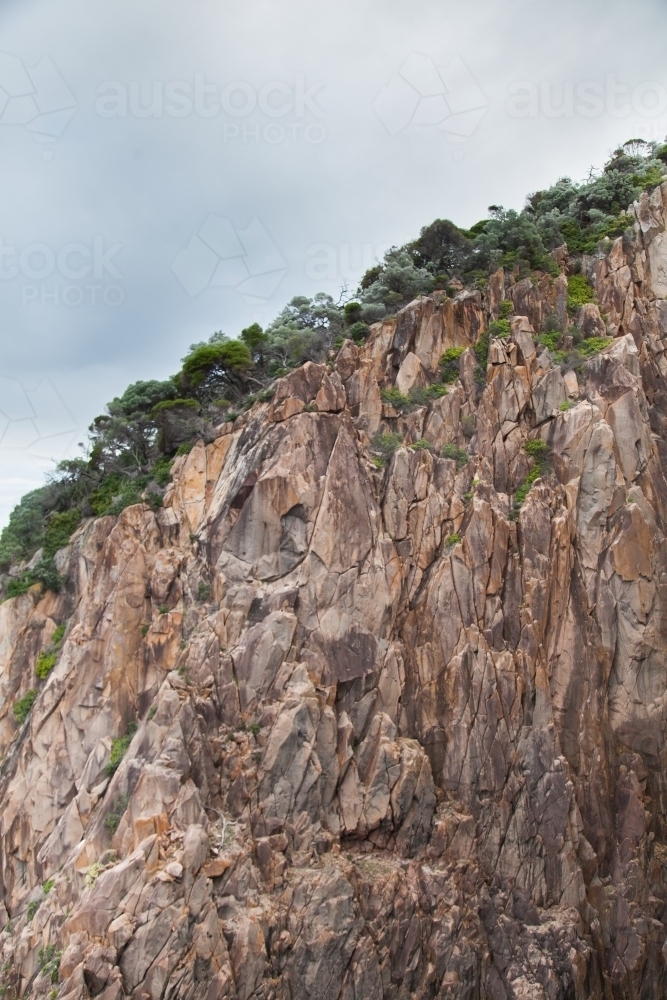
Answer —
398 734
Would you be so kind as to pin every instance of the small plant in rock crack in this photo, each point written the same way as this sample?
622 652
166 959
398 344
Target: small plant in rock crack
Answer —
539 451
163 609
384 446
398 400
499 328
93 873
49 962
203 592
458 455
115 815
505 309
449 364
23 706
254 729
152 711
33 906
119 747
421 445
567 405
453 539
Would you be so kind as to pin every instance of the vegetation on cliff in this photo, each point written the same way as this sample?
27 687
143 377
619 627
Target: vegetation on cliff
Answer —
132 445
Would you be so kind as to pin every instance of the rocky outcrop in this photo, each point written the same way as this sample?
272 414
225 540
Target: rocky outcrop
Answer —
397 735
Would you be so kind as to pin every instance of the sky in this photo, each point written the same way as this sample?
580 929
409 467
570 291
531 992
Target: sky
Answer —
177 167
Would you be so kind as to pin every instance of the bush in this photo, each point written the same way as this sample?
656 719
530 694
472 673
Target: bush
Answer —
458 455
549 340
23 705
119 748
424 397
449 364
33 906
421 445
45 664
593 345
536 448
506 309
579 292
481 350
395 398
115 814
358 332
499 328
567 405
453 539
384 446
49 962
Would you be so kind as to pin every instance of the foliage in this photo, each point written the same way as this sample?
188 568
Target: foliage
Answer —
395 398
46 661
216 367
119 747
22 707
93 873
536 448
499 328
33 906
579 292
549 340
115 814
566 405
423 397
593 345
481 349
421 445
49 962
453 539
458 455
506 309
384 446
449 364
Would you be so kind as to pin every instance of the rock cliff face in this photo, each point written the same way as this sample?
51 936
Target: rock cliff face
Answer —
396 738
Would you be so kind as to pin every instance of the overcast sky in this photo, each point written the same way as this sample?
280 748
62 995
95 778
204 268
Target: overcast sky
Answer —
174 167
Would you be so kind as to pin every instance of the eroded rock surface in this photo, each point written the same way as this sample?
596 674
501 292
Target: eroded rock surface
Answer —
393 740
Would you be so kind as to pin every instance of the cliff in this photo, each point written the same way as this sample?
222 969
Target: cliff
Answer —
400 711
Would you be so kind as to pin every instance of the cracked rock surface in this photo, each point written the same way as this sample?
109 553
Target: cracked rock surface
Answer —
397 738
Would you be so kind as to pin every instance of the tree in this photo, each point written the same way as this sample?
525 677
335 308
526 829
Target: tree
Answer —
256 341
214 368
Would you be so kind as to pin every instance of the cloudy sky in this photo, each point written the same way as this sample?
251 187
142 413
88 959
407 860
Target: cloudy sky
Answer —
174 167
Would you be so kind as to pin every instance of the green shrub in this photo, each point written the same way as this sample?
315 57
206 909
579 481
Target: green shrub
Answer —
481 350
49 962
579 292
48 886
144 630
119 748
449 364
567 405
536 448
33 906
499 328
458 455
163 609
203 592
386 444
19 585
59 529
358 332
115 814
423 397
254 729
45 663
593 345
523 490
185 448
421 445
58 636
506 308
170 404
161 471
23 705
549 340
453 539
394 397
